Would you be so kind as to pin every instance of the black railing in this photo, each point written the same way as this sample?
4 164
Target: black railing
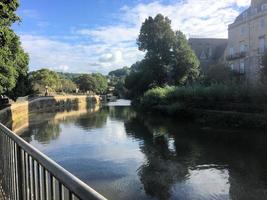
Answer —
27 174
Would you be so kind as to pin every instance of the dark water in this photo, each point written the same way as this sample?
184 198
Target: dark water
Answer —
126 155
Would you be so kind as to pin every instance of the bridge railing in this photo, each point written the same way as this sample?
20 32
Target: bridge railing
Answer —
28 174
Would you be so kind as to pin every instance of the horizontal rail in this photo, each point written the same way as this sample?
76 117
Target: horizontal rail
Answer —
26 173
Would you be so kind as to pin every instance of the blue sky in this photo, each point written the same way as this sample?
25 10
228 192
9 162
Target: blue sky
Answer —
99 35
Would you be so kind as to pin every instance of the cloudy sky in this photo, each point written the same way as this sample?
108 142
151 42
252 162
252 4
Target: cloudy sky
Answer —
100 35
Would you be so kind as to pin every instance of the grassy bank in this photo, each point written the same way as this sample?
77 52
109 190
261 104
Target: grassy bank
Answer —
225 105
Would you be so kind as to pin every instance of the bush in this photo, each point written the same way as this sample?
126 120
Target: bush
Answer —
216 96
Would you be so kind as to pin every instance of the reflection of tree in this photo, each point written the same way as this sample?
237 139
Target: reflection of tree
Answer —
47 132
162 169
43 133
93 120
122 113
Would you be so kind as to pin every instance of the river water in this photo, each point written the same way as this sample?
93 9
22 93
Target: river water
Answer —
126 155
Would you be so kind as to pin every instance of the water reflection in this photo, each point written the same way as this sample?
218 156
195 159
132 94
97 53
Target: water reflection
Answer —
128 155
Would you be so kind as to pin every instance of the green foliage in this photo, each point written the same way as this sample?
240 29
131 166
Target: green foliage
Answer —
120 73
216 96
220 74
7 12
13 60
96 83
101 83
117 80
45 77
67 86
185 64
69 76
169 59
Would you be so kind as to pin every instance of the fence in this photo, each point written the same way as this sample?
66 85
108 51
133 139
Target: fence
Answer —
27 174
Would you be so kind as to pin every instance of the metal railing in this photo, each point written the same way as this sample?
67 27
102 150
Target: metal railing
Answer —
27 174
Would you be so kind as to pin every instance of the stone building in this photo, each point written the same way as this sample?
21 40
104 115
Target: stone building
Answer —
247 40
209 51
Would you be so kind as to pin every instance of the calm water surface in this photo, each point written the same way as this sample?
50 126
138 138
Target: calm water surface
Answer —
126 155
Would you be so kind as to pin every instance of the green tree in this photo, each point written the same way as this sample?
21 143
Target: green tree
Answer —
184 64
157 39
169 60
117 80
220 73
13 60
101 83
45 77
119 73
67 86
86 82
96 83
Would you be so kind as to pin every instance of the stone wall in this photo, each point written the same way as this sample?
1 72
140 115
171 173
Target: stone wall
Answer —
17 115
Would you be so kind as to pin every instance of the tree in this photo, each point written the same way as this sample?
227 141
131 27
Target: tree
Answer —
157 39
220 73
120 73
185 64
86 82
67 86
45 77
117 80
169 60
101 83
13 60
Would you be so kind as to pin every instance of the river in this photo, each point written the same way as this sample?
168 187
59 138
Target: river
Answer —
126 155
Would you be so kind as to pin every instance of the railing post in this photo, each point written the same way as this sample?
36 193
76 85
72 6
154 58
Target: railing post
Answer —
20 174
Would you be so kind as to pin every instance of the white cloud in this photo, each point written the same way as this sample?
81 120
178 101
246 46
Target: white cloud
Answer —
114 46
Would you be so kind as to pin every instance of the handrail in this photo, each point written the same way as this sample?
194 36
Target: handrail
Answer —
33 175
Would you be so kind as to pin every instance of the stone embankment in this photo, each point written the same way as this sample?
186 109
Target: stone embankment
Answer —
17 113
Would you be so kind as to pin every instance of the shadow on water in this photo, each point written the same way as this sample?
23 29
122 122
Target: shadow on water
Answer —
180 160
173 151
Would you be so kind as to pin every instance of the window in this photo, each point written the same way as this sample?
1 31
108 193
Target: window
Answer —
254 11
210 52
243 48
242 67
264 6
262 23
261 44
231 51
232 66
243 30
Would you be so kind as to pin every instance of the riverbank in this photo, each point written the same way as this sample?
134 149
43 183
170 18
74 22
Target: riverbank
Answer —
17 114
218 105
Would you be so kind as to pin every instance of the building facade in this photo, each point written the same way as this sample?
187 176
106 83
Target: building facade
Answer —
247 41
209 51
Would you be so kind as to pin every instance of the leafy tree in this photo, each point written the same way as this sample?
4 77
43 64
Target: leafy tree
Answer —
117 80
139 80
86 82
185 64
45 77
13 60
67 86
101 83
169 60
220 73
96 83
120 73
